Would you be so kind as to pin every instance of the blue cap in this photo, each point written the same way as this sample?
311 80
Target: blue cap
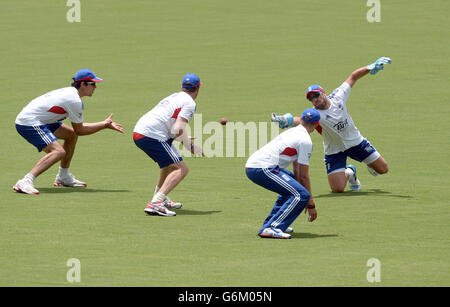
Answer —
86 75
190 81
311 116
314 89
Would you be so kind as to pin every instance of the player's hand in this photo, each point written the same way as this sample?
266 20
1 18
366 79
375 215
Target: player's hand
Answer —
284 121
311 210
378 65
109 123
196 150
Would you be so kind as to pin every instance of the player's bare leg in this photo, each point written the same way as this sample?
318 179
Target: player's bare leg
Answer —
54 153
64 177
163 173
174 177
338 181
70 138
380 166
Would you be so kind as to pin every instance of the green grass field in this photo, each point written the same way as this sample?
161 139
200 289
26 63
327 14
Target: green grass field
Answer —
254 57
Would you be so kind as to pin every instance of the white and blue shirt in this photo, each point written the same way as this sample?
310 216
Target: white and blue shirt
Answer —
339 132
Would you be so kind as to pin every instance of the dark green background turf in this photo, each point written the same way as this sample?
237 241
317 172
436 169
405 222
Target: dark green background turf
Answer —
254 57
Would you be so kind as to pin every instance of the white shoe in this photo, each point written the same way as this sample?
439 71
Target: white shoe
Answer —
274 233
157 208
170 204
289 230
68 181
353 181
25 186
372 171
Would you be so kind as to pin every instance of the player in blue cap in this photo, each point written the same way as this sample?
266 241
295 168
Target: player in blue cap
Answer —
40 123
341 138
154 133
267 168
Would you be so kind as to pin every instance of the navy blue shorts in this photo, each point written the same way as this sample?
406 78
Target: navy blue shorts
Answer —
162 152
39 136
363 152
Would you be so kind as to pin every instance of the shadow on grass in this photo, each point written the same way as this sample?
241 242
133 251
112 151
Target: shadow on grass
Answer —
372 192
195 212
79 190
311 235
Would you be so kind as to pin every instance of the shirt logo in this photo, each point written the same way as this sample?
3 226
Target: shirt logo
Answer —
341 125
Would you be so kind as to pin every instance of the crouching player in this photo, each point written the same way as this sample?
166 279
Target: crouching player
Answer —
154 133
266 167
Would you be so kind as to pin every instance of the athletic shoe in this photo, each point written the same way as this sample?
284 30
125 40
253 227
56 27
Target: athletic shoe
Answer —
157 208
289 230
68 181
25 186
171 205
372 171
353 181
274 233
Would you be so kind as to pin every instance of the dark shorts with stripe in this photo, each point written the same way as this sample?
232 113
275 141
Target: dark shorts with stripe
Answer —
162 152
40 135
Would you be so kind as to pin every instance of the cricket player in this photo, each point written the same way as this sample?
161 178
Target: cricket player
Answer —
266 167
40 123
341 138
154 134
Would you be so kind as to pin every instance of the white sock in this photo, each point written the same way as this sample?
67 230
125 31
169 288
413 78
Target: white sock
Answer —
29 177
63 172
156 190
349 172
159 197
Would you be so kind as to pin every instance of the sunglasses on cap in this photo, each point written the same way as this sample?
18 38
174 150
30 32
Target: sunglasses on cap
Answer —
313 95
91 83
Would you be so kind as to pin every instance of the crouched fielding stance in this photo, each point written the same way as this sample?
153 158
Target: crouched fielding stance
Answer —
40 124
341 138
154 134
266 167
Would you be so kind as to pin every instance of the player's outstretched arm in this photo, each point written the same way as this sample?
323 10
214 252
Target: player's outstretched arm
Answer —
286 120
90 128
371 68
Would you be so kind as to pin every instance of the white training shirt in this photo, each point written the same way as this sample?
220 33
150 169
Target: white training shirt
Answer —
158 122
291 145
52 107
339 132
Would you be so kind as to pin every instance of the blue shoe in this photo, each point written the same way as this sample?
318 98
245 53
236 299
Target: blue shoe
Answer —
353 181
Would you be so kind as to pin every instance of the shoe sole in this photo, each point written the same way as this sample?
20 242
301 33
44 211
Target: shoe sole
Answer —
355 188
18 190
272 237
60 184
155 212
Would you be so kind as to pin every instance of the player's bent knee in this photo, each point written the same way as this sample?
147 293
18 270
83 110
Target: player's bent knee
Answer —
184 169
337 189
61 153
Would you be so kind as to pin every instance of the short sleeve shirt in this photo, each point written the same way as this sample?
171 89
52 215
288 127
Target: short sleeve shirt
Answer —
158 122
52 107
339 132
291 145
